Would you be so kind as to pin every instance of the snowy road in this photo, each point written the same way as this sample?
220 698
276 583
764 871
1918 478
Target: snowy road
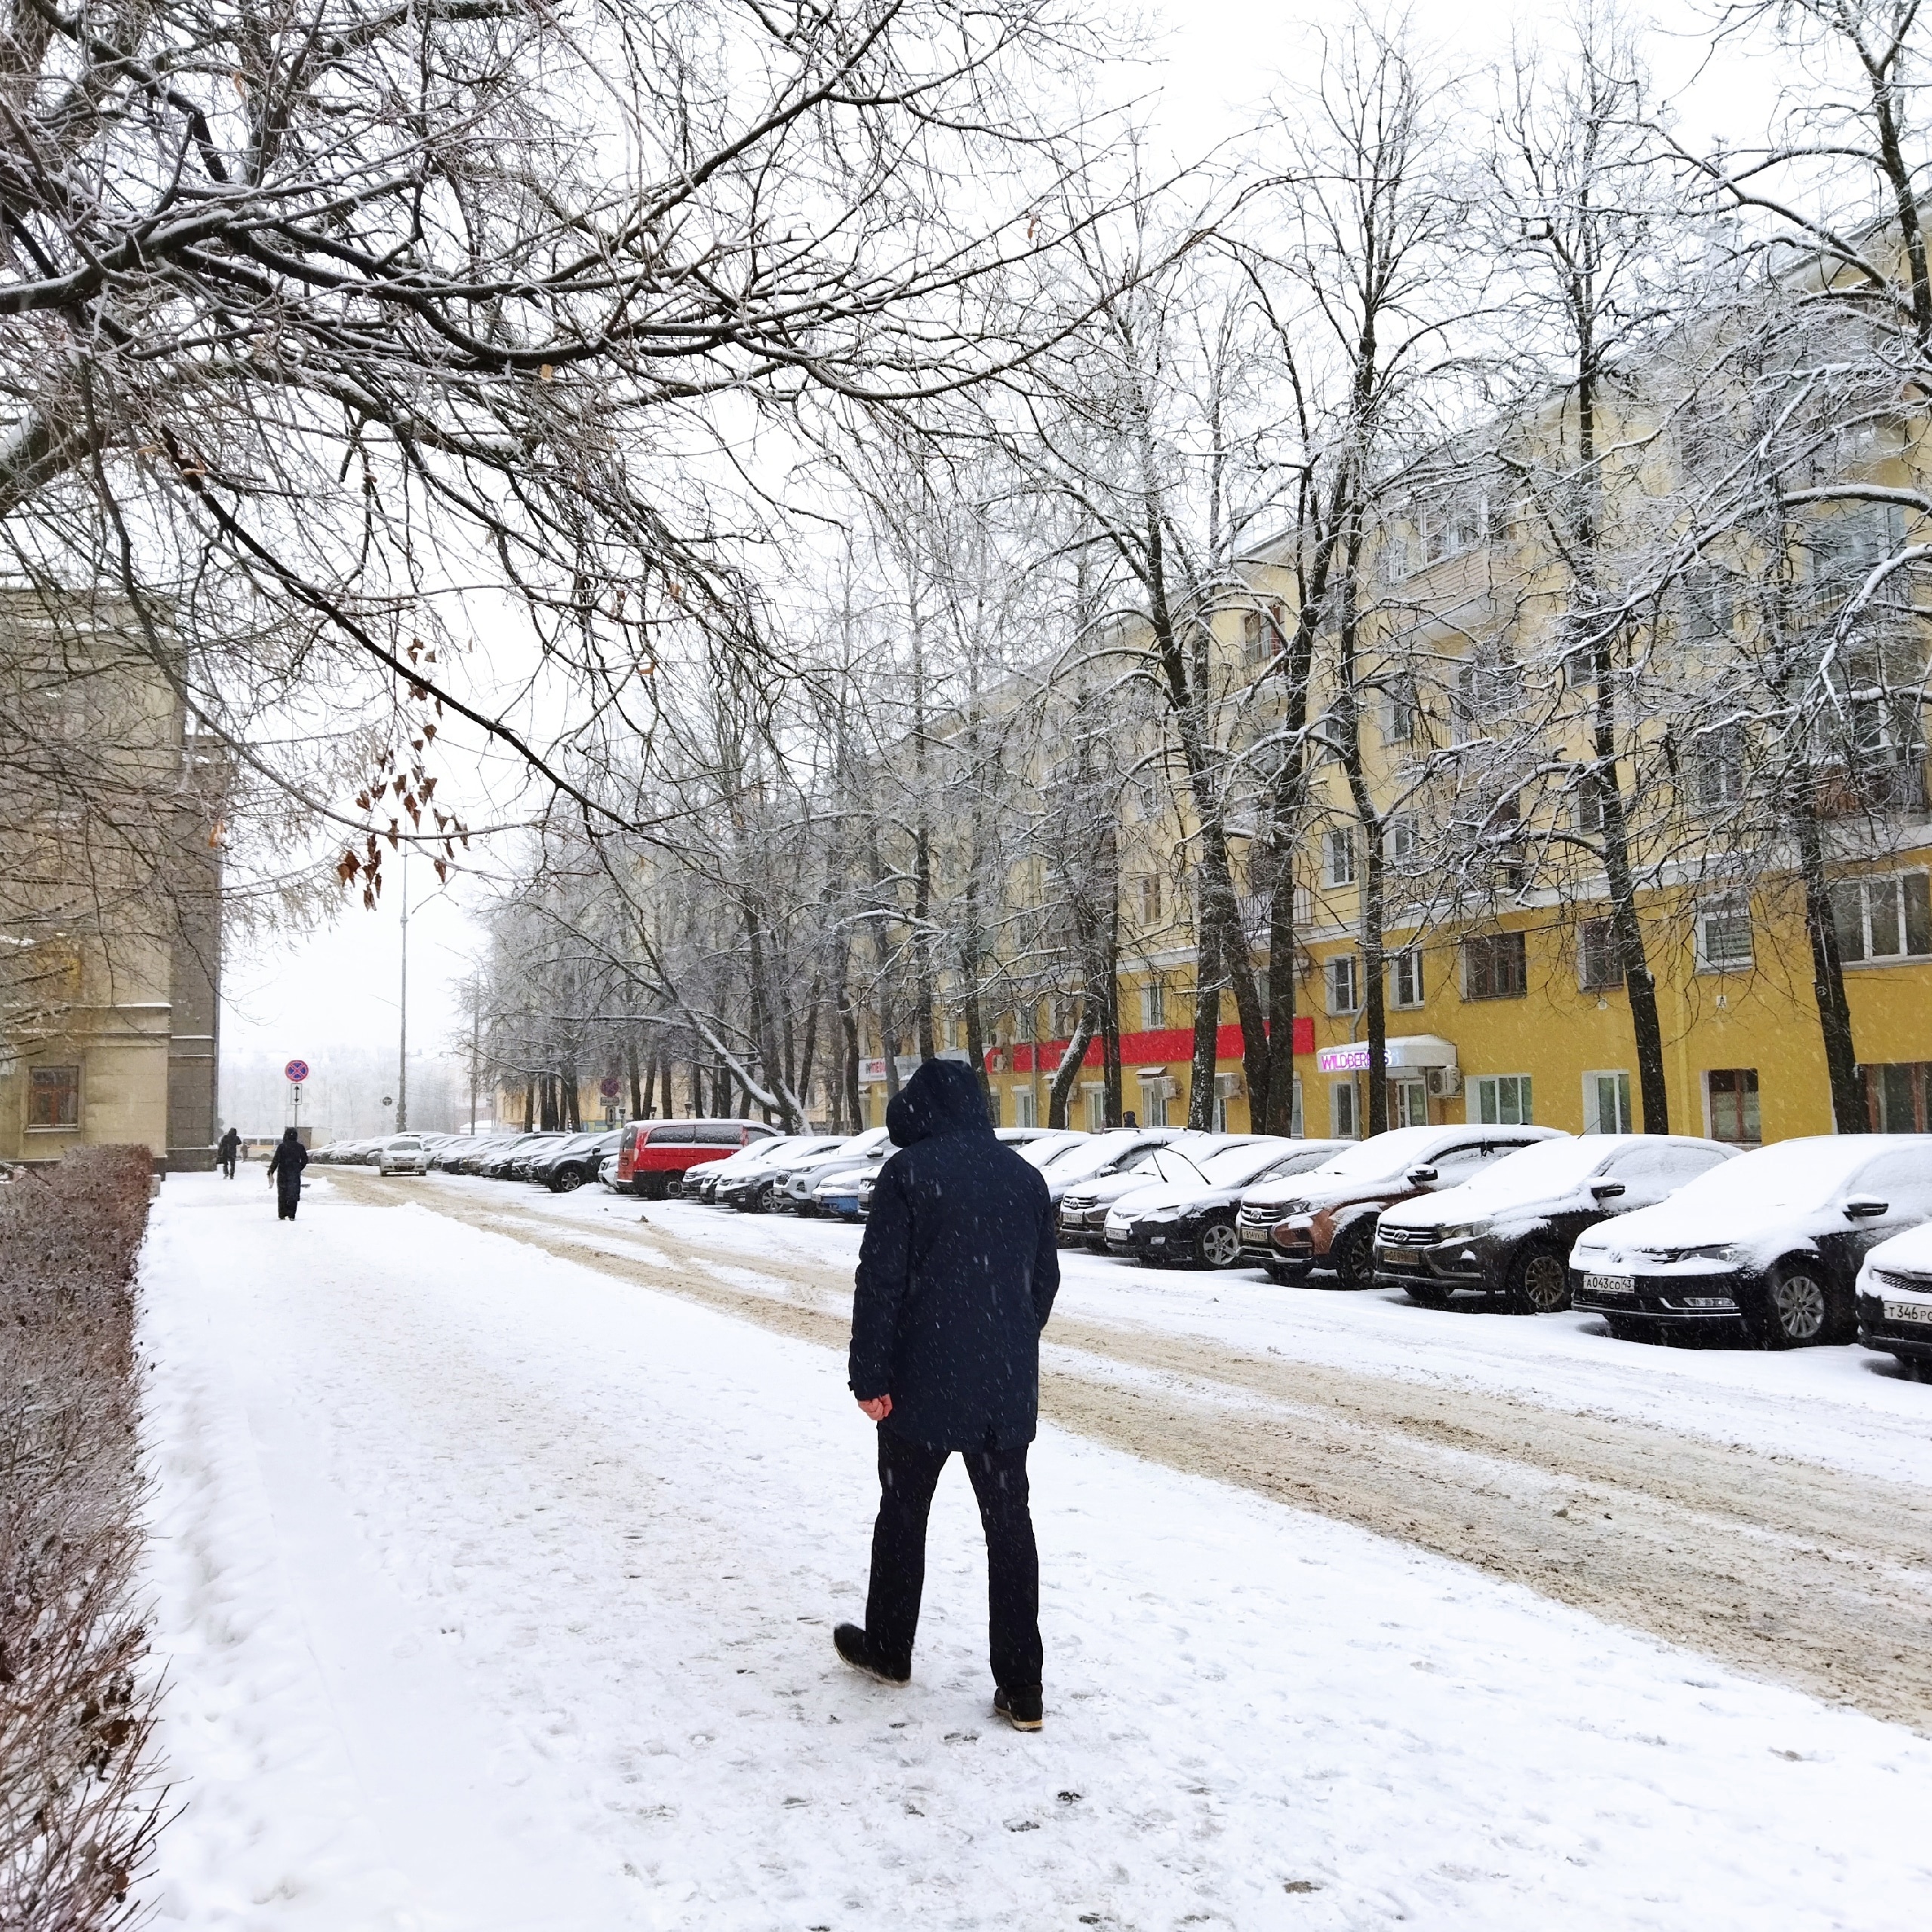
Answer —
1773 1561
495 1590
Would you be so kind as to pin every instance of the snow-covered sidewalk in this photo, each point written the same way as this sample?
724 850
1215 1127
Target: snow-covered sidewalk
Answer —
495 1593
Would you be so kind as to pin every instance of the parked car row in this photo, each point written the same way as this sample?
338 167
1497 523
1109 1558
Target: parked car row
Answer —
1805 1241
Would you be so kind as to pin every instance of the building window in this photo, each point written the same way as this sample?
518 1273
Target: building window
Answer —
1341 1109
1026 1111
1338 857
1153 1005
54 1097
1731 1094
1405 977
1703 606
1883 918
1295 1128
1344 994
1495 967
1599 965
1501 1099
1716 769
1896 1097
1402 718
1260 634
1589 802
1607 1104
1401 844
1724 936
1097 1109
1154 1102
1150 898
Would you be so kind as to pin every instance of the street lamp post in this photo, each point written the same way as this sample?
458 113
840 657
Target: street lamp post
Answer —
402 1056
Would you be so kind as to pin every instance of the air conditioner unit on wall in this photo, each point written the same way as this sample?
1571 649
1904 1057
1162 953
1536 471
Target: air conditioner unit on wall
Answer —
1444 1082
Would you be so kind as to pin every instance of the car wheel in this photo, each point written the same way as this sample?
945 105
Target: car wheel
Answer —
1539 1280
1354 1254
569 1179
652 1187
1426 1297
1797 1307
1218 1245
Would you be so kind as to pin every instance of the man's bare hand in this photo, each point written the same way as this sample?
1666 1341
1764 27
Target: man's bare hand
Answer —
878 1409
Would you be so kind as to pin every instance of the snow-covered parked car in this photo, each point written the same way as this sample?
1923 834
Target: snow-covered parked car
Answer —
702 1183
1325 1218
564 1169
792 1185
1193 1222
1507 1233
1772 1240
1084 1206
846 1193
748 1187
403 1153
1895 1300
1095 1156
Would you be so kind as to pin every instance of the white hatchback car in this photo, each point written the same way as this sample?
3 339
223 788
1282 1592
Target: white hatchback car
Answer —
406 1154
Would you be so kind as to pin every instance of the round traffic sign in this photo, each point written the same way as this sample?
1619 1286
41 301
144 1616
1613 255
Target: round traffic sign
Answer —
609 1087
297 1070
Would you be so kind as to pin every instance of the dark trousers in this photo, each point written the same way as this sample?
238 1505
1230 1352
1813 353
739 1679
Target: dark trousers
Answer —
287 1200
908 1474
228 1165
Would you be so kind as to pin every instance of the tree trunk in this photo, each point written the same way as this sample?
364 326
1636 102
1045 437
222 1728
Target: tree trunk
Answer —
1071 1062
1207 1022
1849 1113
631 1067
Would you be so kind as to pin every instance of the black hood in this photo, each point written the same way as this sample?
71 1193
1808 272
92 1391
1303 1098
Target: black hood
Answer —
943 1096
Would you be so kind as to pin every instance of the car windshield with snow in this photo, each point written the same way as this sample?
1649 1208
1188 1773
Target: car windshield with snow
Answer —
1094 1155
1770 1242
1083 1208
1506 1234
1192 1222
1325 1218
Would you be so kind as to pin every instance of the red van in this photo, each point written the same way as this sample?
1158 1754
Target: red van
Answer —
653 1153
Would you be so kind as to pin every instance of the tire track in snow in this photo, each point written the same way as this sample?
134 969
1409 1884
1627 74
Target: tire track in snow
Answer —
1782 1567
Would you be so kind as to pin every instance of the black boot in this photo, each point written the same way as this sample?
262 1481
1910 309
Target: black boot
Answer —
852 1646
1023 1707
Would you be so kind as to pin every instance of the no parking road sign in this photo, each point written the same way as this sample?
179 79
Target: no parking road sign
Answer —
296 1072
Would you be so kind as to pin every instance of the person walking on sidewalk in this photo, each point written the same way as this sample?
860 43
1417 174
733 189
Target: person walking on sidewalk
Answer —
230 1146
957 1275
285 1166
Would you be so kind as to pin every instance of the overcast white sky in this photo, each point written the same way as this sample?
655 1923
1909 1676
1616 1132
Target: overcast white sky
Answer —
337 992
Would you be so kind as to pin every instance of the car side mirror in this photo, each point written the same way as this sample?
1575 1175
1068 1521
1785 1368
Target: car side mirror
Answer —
1607 1190
1864 1207
1421 1177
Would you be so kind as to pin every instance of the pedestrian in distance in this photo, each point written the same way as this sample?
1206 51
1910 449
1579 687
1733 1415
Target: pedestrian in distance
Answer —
231 1146
957 1275
285 1166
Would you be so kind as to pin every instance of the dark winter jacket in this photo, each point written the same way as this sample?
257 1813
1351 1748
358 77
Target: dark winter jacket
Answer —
286 1163
957 1273
229 1142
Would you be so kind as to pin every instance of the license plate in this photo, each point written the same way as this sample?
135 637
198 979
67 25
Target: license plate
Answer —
1908 1311
1609 1284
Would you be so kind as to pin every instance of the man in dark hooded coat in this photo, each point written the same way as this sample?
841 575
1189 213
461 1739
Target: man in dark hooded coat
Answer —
285 1166
956 1276
231 1146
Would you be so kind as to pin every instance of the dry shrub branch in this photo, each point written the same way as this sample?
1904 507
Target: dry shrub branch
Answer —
78 1795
